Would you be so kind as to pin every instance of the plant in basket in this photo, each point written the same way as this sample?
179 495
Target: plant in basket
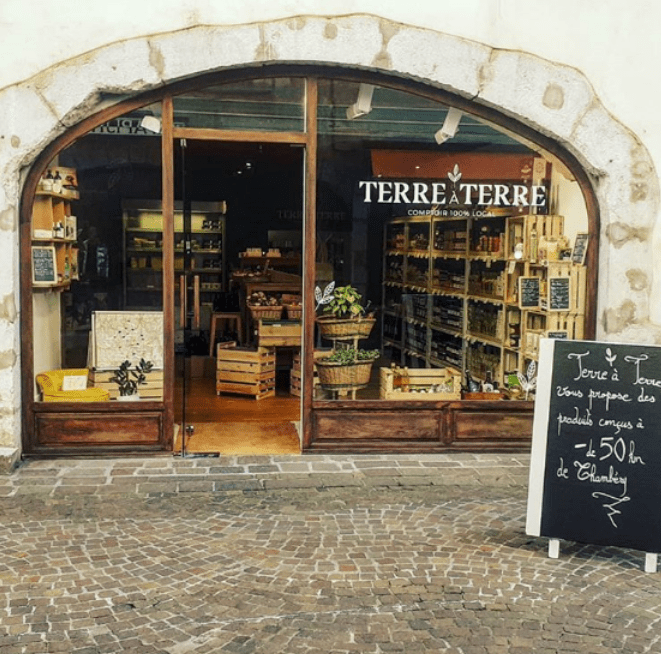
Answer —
346 367
348 317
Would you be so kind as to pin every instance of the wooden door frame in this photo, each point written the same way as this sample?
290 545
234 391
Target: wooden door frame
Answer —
308 139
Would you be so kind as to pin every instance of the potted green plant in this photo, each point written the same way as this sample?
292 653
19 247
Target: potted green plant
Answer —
346 317
129 380
346 367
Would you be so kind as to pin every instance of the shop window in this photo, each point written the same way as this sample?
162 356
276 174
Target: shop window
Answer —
458 239
270 104
98 280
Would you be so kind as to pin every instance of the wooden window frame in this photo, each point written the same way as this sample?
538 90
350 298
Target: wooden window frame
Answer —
308 138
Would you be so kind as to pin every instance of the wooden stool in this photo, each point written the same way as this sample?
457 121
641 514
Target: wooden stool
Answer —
222 317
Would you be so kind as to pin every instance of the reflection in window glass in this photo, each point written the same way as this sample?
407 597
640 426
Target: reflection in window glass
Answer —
105 302
270 104
432 216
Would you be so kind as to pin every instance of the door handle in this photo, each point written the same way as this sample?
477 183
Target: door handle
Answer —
196 302
182 301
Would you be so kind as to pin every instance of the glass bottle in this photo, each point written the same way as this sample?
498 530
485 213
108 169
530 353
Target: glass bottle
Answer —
57 182
534 245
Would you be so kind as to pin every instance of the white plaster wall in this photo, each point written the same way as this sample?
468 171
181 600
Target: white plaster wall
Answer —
47 327
615 44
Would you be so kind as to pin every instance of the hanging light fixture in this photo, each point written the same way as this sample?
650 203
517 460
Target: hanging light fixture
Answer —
450 126
151 121
363 105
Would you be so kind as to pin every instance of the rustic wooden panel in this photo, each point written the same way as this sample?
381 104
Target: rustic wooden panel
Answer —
381 425
65 429
421 427
487 426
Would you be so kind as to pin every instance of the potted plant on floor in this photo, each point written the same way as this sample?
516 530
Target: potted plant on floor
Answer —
346 368
346 318
128 380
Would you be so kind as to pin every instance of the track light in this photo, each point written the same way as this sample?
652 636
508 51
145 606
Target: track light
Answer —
151 123
363 105
450 126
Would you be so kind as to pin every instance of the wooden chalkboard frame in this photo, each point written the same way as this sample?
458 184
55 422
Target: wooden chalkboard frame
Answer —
46 252
524 282
580 248
552 306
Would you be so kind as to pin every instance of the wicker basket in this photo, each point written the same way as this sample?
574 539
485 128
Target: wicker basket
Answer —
334 376
340 328
294 311
265 312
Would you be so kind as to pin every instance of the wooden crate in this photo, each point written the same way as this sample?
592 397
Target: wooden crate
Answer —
421 379
282 333
152 389
245 371
295 378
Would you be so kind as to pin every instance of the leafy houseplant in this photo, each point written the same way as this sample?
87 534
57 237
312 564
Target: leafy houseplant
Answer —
128 380
349 355
348 317
345 303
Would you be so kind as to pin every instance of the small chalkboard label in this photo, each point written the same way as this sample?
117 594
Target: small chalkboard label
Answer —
580 248
596 451
559 294
44 269
528 292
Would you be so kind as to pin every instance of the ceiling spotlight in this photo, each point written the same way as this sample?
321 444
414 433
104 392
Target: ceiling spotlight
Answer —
450 126
363 105
151 123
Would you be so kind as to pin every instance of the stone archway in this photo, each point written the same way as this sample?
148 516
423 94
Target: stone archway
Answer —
556 101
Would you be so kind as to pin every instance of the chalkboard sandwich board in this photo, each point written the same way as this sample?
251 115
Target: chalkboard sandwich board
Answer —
529 292
596 451
559 294
44 267
580 248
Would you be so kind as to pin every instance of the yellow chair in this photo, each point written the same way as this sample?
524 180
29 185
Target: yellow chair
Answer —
50 385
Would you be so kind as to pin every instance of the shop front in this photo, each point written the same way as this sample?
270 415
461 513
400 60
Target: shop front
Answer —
306 261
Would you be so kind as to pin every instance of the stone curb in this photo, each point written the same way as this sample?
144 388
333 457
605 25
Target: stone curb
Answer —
149 477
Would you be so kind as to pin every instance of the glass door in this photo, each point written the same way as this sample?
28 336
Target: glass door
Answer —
238 274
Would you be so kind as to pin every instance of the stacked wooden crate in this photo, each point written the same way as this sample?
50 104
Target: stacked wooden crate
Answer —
246 371
295 380
283 333
152 389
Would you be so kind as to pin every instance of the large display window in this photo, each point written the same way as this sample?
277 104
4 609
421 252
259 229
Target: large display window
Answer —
371 265
458 241
97 289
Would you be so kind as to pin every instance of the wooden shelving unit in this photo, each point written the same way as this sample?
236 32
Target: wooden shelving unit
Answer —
143 250
451 291
54 250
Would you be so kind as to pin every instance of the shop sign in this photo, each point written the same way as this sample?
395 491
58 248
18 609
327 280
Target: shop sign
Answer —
454 197
126 126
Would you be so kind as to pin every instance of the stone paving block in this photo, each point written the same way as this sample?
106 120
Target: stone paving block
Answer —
328 561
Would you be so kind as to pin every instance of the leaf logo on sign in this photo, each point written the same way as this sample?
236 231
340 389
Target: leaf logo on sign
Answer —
326 296
610 357
454 176
529 381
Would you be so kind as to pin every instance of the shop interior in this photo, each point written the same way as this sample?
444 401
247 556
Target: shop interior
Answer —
443 288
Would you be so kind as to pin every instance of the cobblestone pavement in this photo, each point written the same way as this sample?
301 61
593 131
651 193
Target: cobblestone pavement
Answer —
303 554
